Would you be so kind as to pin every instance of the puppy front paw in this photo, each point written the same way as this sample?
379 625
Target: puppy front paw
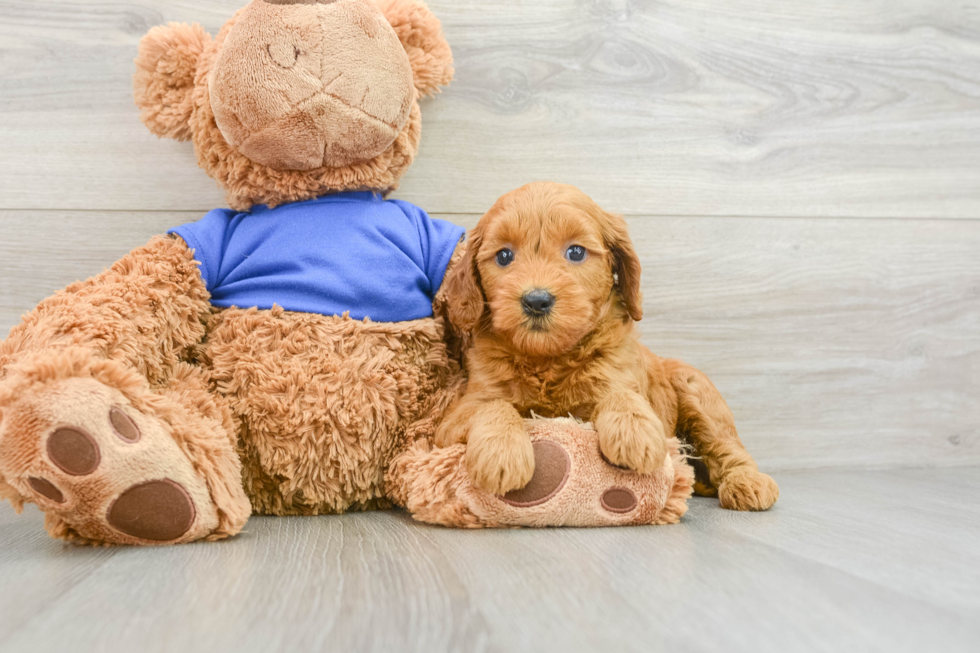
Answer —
747 489
499 460
630 440
450 431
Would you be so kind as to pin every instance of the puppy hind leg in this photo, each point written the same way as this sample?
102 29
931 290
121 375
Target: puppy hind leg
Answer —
706 422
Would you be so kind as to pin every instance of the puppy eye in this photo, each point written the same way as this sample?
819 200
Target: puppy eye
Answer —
575 253
505 257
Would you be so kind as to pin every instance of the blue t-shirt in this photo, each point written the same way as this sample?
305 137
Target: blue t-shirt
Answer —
349 252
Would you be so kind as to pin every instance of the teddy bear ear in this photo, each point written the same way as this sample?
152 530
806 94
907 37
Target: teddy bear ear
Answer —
421 35
163 85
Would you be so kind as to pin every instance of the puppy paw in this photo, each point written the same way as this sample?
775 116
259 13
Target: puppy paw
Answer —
451 431
499 460
747 489
631 440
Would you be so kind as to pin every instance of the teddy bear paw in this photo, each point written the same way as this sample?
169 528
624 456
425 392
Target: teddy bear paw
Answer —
111 473
571 485
552 469
574 485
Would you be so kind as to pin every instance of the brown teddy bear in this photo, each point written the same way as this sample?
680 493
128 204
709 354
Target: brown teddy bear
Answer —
288 355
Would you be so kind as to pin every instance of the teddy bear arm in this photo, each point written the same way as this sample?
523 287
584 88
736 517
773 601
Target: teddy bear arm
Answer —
145 311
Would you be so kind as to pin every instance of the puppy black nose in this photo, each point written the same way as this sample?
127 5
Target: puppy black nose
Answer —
537 302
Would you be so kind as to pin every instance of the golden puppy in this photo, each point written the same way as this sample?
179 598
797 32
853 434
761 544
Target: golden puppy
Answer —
550 287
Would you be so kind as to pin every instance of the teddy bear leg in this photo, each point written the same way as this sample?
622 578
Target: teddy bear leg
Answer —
111 460
572 484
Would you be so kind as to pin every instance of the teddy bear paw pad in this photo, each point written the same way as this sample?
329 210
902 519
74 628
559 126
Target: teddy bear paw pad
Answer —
74 451
619 500
124 426
46 489
551 469
159 511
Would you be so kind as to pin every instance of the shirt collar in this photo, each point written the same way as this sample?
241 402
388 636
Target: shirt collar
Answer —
346 196
351 196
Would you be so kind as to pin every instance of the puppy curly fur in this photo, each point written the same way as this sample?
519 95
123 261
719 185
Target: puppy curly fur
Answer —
583 357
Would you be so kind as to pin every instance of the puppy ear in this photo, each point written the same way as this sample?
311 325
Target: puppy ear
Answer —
627 263
163 85
421 35
464 297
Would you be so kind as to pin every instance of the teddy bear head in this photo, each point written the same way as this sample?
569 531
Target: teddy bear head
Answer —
296 98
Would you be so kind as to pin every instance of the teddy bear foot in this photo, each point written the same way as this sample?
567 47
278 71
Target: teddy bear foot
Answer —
572 485
103 471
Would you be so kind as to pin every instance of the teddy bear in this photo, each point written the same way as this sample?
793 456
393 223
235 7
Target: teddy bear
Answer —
288 355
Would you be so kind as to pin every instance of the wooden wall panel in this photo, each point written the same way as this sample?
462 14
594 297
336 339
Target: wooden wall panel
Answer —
673 107
836 342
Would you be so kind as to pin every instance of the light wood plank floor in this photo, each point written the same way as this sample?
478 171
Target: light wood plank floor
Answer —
879 561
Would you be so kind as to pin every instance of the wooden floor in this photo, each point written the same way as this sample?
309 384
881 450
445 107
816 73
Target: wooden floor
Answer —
880 561
802 180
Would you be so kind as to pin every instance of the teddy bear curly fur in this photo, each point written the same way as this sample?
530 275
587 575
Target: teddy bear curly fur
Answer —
134 411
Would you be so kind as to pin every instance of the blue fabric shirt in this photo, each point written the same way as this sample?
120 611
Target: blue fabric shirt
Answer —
349 252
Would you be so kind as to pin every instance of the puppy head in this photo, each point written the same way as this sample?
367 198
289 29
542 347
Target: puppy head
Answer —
543 267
